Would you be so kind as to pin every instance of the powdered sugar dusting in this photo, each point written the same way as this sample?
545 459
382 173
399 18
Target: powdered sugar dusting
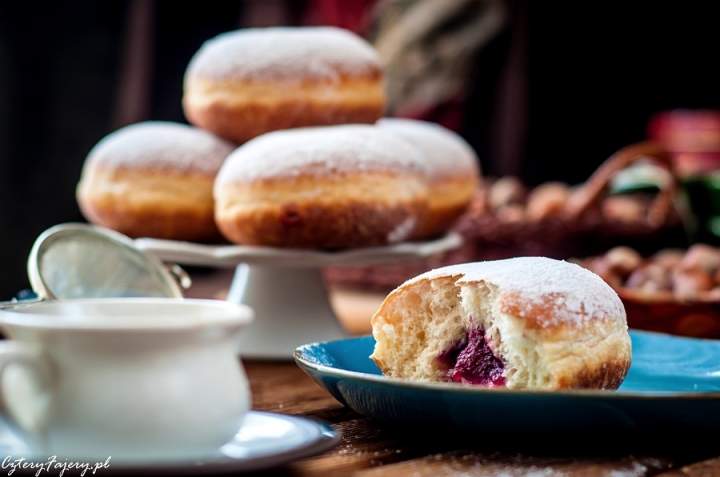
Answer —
571 292
290 54
445 152
162 145
320 151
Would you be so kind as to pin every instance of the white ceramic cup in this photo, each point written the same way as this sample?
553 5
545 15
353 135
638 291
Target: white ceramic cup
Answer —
128 378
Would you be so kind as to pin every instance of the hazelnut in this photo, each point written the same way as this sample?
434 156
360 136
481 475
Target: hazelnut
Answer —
623 260
547 200
691 283
703 257
506 191
602 267
623 209
668 258
650 278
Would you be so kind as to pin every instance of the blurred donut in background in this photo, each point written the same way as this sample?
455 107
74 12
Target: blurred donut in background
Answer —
244 83
328 187
453 171
154 179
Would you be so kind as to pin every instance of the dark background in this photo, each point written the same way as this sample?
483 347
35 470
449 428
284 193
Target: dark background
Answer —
558 90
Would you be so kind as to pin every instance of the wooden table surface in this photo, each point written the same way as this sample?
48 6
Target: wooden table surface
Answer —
373 449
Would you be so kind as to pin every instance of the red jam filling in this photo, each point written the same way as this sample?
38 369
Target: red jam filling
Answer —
471 361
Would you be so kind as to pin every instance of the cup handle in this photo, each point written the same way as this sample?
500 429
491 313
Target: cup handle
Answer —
13 353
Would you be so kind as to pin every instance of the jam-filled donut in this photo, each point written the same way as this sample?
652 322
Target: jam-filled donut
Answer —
154 179
244 83
326 187
522 323
453 171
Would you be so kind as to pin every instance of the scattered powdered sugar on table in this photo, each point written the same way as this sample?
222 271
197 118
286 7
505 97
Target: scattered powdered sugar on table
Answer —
161 145
573 292
445 152
320 151
284 53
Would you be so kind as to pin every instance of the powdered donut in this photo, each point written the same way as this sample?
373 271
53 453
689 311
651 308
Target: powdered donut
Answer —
453 170
154 179
247 82
326 187
522 323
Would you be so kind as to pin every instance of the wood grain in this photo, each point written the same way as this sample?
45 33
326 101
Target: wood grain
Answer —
473 465
373 449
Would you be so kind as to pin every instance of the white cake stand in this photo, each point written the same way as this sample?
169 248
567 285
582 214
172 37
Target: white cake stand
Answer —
285 287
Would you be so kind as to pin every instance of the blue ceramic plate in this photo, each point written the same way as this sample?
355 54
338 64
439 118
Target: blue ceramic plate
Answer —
673 383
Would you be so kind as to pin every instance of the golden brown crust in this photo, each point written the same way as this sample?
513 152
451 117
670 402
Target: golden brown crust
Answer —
594 355
438 221
154 179
449 198
242 123
149 203
606 375
337 211
173 225
240 111
318 224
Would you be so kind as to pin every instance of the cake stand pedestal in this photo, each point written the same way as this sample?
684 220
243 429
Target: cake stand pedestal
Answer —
285 287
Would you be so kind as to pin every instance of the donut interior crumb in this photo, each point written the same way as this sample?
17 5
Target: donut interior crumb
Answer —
430 327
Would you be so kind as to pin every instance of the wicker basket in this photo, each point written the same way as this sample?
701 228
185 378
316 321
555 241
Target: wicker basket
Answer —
665 313
580 229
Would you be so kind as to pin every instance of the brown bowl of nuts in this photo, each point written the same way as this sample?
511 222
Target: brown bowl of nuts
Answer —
674 291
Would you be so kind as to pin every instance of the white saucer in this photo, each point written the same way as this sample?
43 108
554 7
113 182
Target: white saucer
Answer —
265 440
